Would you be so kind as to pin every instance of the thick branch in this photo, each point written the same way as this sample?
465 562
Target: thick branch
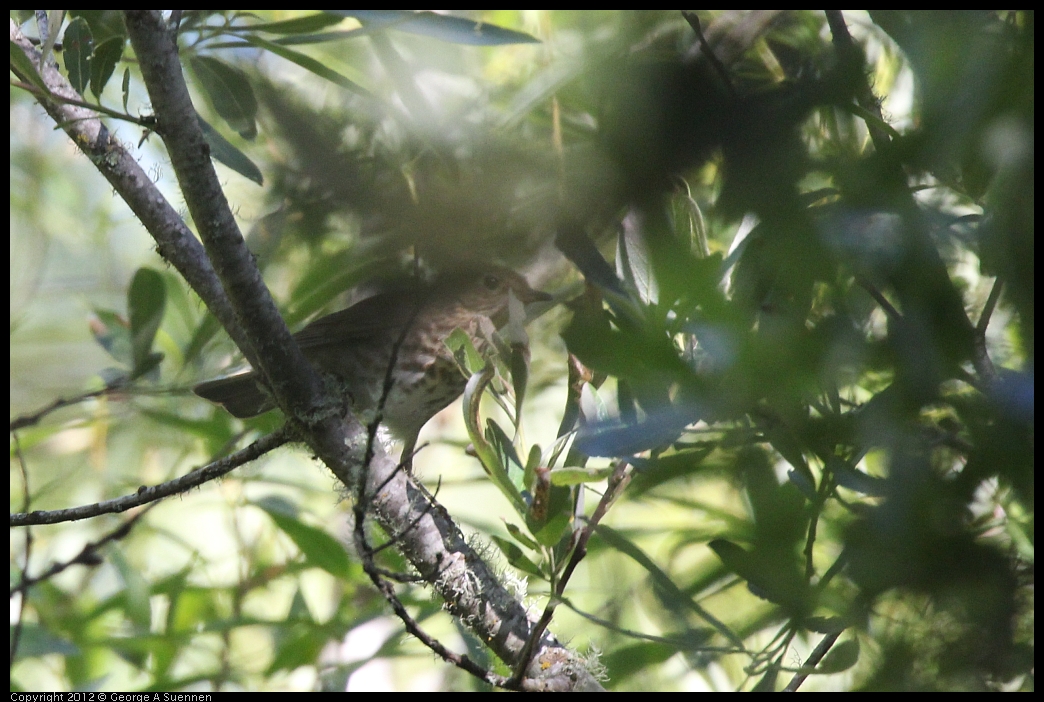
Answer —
295 384
429 538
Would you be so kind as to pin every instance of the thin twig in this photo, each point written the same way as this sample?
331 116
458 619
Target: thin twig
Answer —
144 494
16 629
28 420
680 644
361 507
617 482
387 590
980 354
887 306
849 52
991 304
403 578
811 662
146 122
694 21
88 555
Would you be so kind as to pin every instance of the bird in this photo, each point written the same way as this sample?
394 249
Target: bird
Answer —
410 322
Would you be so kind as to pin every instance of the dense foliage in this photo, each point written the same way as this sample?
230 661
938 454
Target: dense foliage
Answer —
800 362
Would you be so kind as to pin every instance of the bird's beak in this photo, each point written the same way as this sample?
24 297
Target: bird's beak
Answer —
537 303
529 296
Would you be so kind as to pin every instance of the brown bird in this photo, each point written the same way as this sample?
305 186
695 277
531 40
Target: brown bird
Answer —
356 346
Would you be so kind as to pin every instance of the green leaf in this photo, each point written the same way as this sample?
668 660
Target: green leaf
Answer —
804 483
135 591
555 527
146 302
840 658
670 595
228 91
825 625
53 19
612 439
508 455
592 405
652 473
214 429
309 64
78 45
689 224
768 577
784 442
112 332
223 152
298 25
625 348
860 482
104 24
319 548
299 644
767 683
516 557
576 476
532 463
37 641
25 68
520 536
550 512
488 454
628 660
538 90
464 351
444 27
519 375
328 276
870 118
633 260
103 63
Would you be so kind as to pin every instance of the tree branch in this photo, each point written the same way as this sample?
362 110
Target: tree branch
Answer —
174 242
428 538
812 661
434 545
144 494
850 53
296 386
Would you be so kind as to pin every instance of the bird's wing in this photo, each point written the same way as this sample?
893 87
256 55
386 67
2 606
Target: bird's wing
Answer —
373 316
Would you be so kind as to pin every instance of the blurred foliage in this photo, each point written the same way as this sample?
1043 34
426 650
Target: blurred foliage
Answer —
785 332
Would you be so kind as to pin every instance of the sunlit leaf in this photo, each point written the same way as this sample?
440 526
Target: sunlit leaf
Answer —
445 27
309 64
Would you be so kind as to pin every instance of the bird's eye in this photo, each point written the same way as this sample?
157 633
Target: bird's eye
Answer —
491 281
